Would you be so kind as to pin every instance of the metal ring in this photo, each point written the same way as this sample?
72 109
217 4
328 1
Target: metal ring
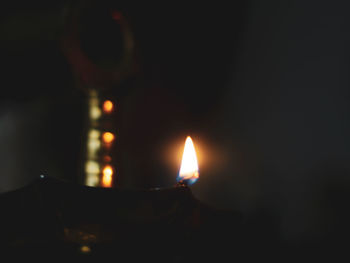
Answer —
87 71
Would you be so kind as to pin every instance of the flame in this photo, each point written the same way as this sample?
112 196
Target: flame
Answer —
108 137
108 106
189 166
107 176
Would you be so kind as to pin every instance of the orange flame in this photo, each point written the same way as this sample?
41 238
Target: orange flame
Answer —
189 165
107 176
108 106
108 137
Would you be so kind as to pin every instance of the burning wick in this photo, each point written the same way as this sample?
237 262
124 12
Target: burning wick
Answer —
188 173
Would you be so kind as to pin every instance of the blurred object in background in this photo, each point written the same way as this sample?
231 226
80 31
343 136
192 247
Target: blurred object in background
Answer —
98 43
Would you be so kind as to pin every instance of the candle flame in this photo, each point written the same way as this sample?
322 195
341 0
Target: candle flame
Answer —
189 165
107 106
107 176
108 137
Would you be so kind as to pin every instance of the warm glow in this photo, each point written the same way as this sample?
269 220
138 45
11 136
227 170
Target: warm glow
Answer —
189 165
108 106
85 249
93 146
92 167
94 109
108 137
92 179
107 176
94 134
95 112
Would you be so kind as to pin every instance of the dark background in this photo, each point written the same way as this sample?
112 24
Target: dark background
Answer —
261 86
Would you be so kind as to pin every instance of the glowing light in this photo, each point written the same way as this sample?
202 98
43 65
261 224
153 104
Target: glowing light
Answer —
107 176
95 112
108 137
108 106
189 166
85 249
92 167
93 142
94 134
92 179
93 146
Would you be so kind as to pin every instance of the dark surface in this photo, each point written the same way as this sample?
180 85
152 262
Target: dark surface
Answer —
50 218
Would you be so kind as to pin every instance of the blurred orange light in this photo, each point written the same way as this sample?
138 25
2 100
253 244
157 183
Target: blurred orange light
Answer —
108 106
85 249
108 137
107 176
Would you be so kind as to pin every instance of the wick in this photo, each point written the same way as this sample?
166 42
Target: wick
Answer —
182 183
